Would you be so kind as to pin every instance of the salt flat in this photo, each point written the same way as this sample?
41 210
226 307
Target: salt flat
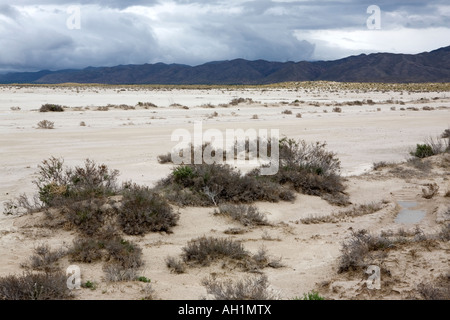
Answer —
130 141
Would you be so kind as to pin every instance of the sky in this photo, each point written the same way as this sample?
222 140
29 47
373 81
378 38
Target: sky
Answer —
63 34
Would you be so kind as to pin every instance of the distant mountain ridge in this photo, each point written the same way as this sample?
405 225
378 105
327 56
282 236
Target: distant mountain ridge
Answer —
431 66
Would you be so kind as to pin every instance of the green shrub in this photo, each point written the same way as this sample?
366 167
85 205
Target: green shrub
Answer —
213 184
423 151
311 296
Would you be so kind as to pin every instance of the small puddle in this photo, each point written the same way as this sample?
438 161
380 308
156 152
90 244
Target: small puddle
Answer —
407 214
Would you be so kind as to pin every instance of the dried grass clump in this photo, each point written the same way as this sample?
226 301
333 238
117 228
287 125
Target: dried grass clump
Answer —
253 288
246 215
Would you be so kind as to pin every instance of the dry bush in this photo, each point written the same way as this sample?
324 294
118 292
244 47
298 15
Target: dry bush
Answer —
253 288
237 101
431 190
286 112
165 158
298 115
124 260
439 290
48 107
255 117
147 105
46 124
247 215
204 250
175 265
86 250
45 259
87 216
34 286
143 210
356 251
57 184
337 109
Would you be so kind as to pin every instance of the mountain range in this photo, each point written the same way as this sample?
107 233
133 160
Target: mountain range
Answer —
433 66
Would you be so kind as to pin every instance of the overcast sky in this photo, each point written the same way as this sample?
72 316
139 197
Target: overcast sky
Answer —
59 34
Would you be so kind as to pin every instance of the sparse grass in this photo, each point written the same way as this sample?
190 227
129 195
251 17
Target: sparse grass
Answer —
246 215
253 288
356 211
46 124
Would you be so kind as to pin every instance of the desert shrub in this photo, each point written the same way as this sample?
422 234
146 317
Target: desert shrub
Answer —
298 115
286 112
45 259
57 184
165 158
247 215
440 290
423 151
355 252
46 124
23 205
144 210
431 190
124 260
87 216
34 286
310 169
204 250
255 117
337 109
237 101
123 252
48 107
250 288
86 250
175 265
212 184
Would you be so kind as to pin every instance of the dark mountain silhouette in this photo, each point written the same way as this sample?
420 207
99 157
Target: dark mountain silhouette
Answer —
431 66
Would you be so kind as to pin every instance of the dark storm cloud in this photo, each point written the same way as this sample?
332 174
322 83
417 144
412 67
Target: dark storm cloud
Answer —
34 33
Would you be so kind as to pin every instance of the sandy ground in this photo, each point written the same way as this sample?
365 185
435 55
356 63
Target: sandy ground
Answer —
131 140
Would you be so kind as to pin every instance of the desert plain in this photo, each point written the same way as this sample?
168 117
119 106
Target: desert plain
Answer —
363 124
